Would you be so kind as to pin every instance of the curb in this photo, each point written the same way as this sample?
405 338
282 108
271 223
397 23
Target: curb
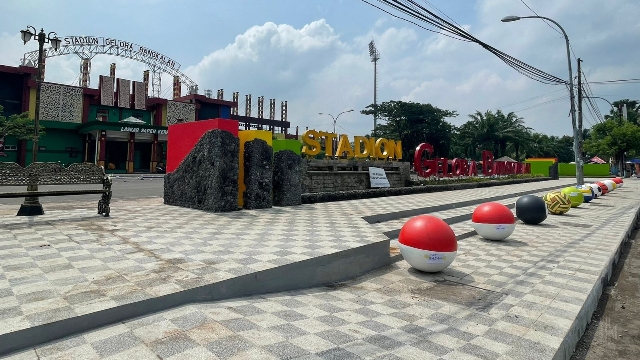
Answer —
313 198
137 176
580 323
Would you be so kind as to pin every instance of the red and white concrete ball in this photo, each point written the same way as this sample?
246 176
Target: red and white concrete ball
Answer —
619 182
428 243
603 187
610 184
493 221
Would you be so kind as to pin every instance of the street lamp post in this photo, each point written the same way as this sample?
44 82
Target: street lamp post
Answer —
335 119
578 156
31 205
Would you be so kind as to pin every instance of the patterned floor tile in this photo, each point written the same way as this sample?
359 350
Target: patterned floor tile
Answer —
514 299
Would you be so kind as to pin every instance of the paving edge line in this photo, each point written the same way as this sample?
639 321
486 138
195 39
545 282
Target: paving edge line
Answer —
311 273
579 325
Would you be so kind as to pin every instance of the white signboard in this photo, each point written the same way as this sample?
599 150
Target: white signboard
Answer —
378 178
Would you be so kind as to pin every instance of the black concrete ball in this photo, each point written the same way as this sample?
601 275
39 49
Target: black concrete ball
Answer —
531 209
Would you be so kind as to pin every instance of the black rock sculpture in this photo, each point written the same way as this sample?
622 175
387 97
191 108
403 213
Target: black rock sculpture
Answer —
207 178
258 174
287 178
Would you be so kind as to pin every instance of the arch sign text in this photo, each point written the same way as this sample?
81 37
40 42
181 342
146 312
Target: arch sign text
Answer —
121 44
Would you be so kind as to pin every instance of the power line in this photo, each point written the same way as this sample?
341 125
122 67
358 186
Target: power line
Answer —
412 22
340 126
529 99
554 29
545 21
621 81
590 100
420 13
544 103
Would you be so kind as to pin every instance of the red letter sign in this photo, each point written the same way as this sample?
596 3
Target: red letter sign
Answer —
427 167
487 163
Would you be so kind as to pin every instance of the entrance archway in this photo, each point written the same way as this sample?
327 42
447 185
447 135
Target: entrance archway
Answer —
86 47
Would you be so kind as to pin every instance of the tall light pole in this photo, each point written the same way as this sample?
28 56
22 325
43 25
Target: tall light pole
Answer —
31 205
375 56
335 119
578 156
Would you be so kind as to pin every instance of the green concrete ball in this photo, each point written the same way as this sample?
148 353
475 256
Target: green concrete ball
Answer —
576 196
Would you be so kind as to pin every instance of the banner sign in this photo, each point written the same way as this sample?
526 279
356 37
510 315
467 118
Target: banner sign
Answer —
378 178
2 146
426 167
143 130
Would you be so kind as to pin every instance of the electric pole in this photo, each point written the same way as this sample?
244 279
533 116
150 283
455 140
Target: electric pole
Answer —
579 167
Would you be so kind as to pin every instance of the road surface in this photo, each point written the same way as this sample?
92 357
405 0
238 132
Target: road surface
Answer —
123 188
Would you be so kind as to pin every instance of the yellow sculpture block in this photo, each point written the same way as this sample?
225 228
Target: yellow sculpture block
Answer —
311 143
344 147
361 145
244 136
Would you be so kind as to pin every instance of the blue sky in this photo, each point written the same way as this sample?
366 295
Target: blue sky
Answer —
313 53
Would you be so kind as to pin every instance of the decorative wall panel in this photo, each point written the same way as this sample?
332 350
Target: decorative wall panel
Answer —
107 85
180 111
124 93
61 103
140 96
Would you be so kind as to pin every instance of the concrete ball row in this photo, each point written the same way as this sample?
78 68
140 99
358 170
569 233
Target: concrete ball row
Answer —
429 244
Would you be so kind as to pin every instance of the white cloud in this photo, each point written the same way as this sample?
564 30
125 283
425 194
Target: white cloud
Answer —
317 69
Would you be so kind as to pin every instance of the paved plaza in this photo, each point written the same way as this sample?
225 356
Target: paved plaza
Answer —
523 298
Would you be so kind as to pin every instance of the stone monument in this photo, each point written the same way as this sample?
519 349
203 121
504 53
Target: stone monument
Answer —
207 178
287 178
258 174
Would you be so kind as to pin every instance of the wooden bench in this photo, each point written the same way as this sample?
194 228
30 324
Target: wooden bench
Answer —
40 173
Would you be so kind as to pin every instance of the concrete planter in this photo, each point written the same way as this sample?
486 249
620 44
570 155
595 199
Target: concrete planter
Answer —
312 198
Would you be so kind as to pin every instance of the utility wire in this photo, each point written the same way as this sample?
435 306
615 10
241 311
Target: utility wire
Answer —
438 10
349 132
554 29
420 13
591 101
594 108
529 99
413 22
623 81
545 21
566 97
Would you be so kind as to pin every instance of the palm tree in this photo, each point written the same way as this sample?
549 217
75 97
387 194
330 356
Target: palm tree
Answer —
513 133
500 132
485 129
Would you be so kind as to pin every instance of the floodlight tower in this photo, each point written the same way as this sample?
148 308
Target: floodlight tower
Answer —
375 56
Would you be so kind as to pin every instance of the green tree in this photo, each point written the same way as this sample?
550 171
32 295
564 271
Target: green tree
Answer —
17 125
633 111
543 145
611 138
503 134
413 123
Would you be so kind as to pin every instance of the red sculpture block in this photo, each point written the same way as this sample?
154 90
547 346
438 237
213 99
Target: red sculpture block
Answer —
181 138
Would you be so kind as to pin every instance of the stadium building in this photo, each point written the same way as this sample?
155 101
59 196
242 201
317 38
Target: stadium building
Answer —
116 125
